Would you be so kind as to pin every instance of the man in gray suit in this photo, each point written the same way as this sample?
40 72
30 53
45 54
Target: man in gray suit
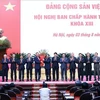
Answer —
96 61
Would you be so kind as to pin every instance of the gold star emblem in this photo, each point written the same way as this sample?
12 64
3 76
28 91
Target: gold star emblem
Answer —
9 6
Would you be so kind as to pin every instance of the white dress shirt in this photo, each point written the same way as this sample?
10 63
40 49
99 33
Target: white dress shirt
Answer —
44 94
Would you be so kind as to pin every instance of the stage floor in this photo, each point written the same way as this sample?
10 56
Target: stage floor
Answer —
49 82
40 82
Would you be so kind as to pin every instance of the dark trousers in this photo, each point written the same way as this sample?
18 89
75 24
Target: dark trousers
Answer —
88 70
4 74
96 71
37 74
72 74
80 74
21 75
55 70
13 72
48 74
64 73
29 73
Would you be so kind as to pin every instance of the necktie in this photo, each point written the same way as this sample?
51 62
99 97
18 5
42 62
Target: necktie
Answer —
13 59
96 59
21 60
4 60
55 58
80 58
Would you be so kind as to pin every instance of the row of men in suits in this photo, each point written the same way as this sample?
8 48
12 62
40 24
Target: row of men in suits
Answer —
64 61
88 60
14 62
29 66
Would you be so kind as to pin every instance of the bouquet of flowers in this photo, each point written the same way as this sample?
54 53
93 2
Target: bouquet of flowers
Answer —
43 54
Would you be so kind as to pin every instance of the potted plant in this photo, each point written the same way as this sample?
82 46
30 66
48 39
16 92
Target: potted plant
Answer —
4 44
17 55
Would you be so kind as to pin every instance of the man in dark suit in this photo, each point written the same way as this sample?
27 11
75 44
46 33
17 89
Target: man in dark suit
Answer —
21 63
37 67
72 66
80 61
55 66
63 62
5 68
88 67
29 66
96 61
47 62
13 62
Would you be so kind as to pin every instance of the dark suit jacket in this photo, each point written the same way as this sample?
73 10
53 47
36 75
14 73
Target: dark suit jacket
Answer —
88 61
47 63
13 63
37 63
73 63
55 63
29 64
21 65
80 63
64 63
4 64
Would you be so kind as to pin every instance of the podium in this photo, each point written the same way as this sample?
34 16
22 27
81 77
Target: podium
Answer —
2 52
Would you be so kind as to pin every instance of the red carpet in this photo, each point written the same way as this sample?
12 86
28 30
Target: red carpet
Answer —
49 82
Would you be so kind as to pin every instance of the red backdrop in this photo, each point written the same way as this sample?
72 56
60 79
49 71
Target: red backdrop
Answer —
10 23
